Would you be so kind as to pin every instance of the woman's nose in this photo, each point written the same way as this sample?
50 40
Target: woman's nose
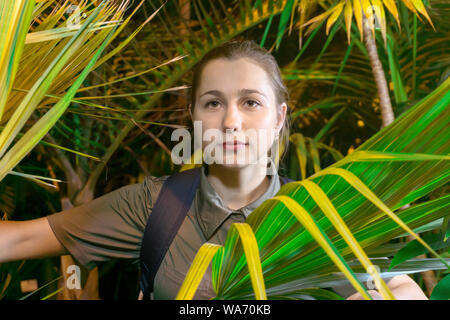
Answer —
233 119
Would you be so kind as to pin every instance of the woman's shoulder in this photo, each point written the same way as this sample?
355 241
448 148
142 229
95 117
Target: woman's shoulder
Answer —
152 180
149 186
153 184
145 190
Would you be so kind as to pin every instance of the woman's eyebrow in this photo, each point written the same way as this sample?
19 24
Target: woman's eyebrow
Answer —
214 93
247 91
241 92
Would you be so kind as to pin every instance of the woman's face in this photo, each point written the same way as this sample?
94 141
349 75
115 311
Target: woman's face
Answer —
236 98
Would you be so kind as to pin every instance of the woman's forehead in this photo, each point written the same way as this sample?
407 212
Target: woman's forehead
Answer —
239 76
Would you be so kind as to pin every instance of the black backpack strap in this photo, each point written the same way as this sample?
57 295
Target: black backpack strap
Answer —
285 180
168 213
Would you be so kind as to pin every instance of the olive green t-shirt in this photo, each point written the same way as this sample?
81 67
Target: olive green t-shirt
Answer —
112 226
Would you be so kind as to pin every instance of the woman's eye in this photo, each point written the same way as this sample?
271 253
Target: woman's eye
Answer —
212 104
252 103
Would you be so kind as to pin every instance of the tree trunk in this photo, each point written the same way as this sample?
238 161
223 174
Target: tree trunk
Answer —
185 15
387 114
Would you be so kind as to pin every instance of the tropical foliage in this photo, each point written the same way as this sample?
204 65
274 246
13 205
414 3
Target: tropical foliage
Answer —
48 50
22 49
136 92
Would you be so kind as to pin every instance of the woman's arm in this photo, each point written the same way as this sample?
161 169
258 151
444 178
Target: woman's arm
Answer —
30 239
402 287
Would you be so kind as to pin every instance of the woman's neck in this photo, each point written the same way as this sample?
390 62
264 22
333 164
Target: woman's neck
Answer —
238 187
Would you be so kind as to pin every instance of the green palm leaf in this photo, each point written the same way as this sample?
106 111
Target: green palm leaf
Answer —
33 57
402 163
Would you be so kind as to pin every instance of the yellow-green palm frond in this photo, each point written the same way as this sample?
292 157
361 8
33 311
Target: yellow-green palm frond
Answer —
372 10
47 48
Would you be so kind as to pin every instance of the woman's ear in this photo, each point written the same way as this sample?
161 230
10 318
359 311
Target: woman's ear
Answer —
190 112
281 115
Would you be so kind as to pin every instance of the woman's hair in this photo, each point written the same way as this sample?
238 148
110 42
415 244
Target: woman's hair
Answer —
235 49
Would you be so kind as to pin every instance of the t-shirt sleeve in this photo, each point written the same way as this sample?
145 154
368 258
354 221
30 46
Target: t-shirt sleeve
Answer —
108 227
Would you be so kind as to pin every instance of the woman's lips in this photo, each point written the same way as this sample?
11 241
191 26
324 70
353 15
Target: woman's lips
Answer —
234 145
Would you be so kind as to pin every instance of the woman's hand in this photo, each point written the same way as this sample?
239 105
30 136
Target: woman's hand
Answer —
402 287
374 293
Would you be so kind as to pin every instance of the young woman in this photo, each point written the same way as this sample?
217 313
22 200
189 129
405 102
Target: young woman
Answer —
236 88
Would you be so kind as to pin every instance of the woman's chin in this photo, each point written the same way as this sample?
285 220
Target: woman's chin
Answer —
233 163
